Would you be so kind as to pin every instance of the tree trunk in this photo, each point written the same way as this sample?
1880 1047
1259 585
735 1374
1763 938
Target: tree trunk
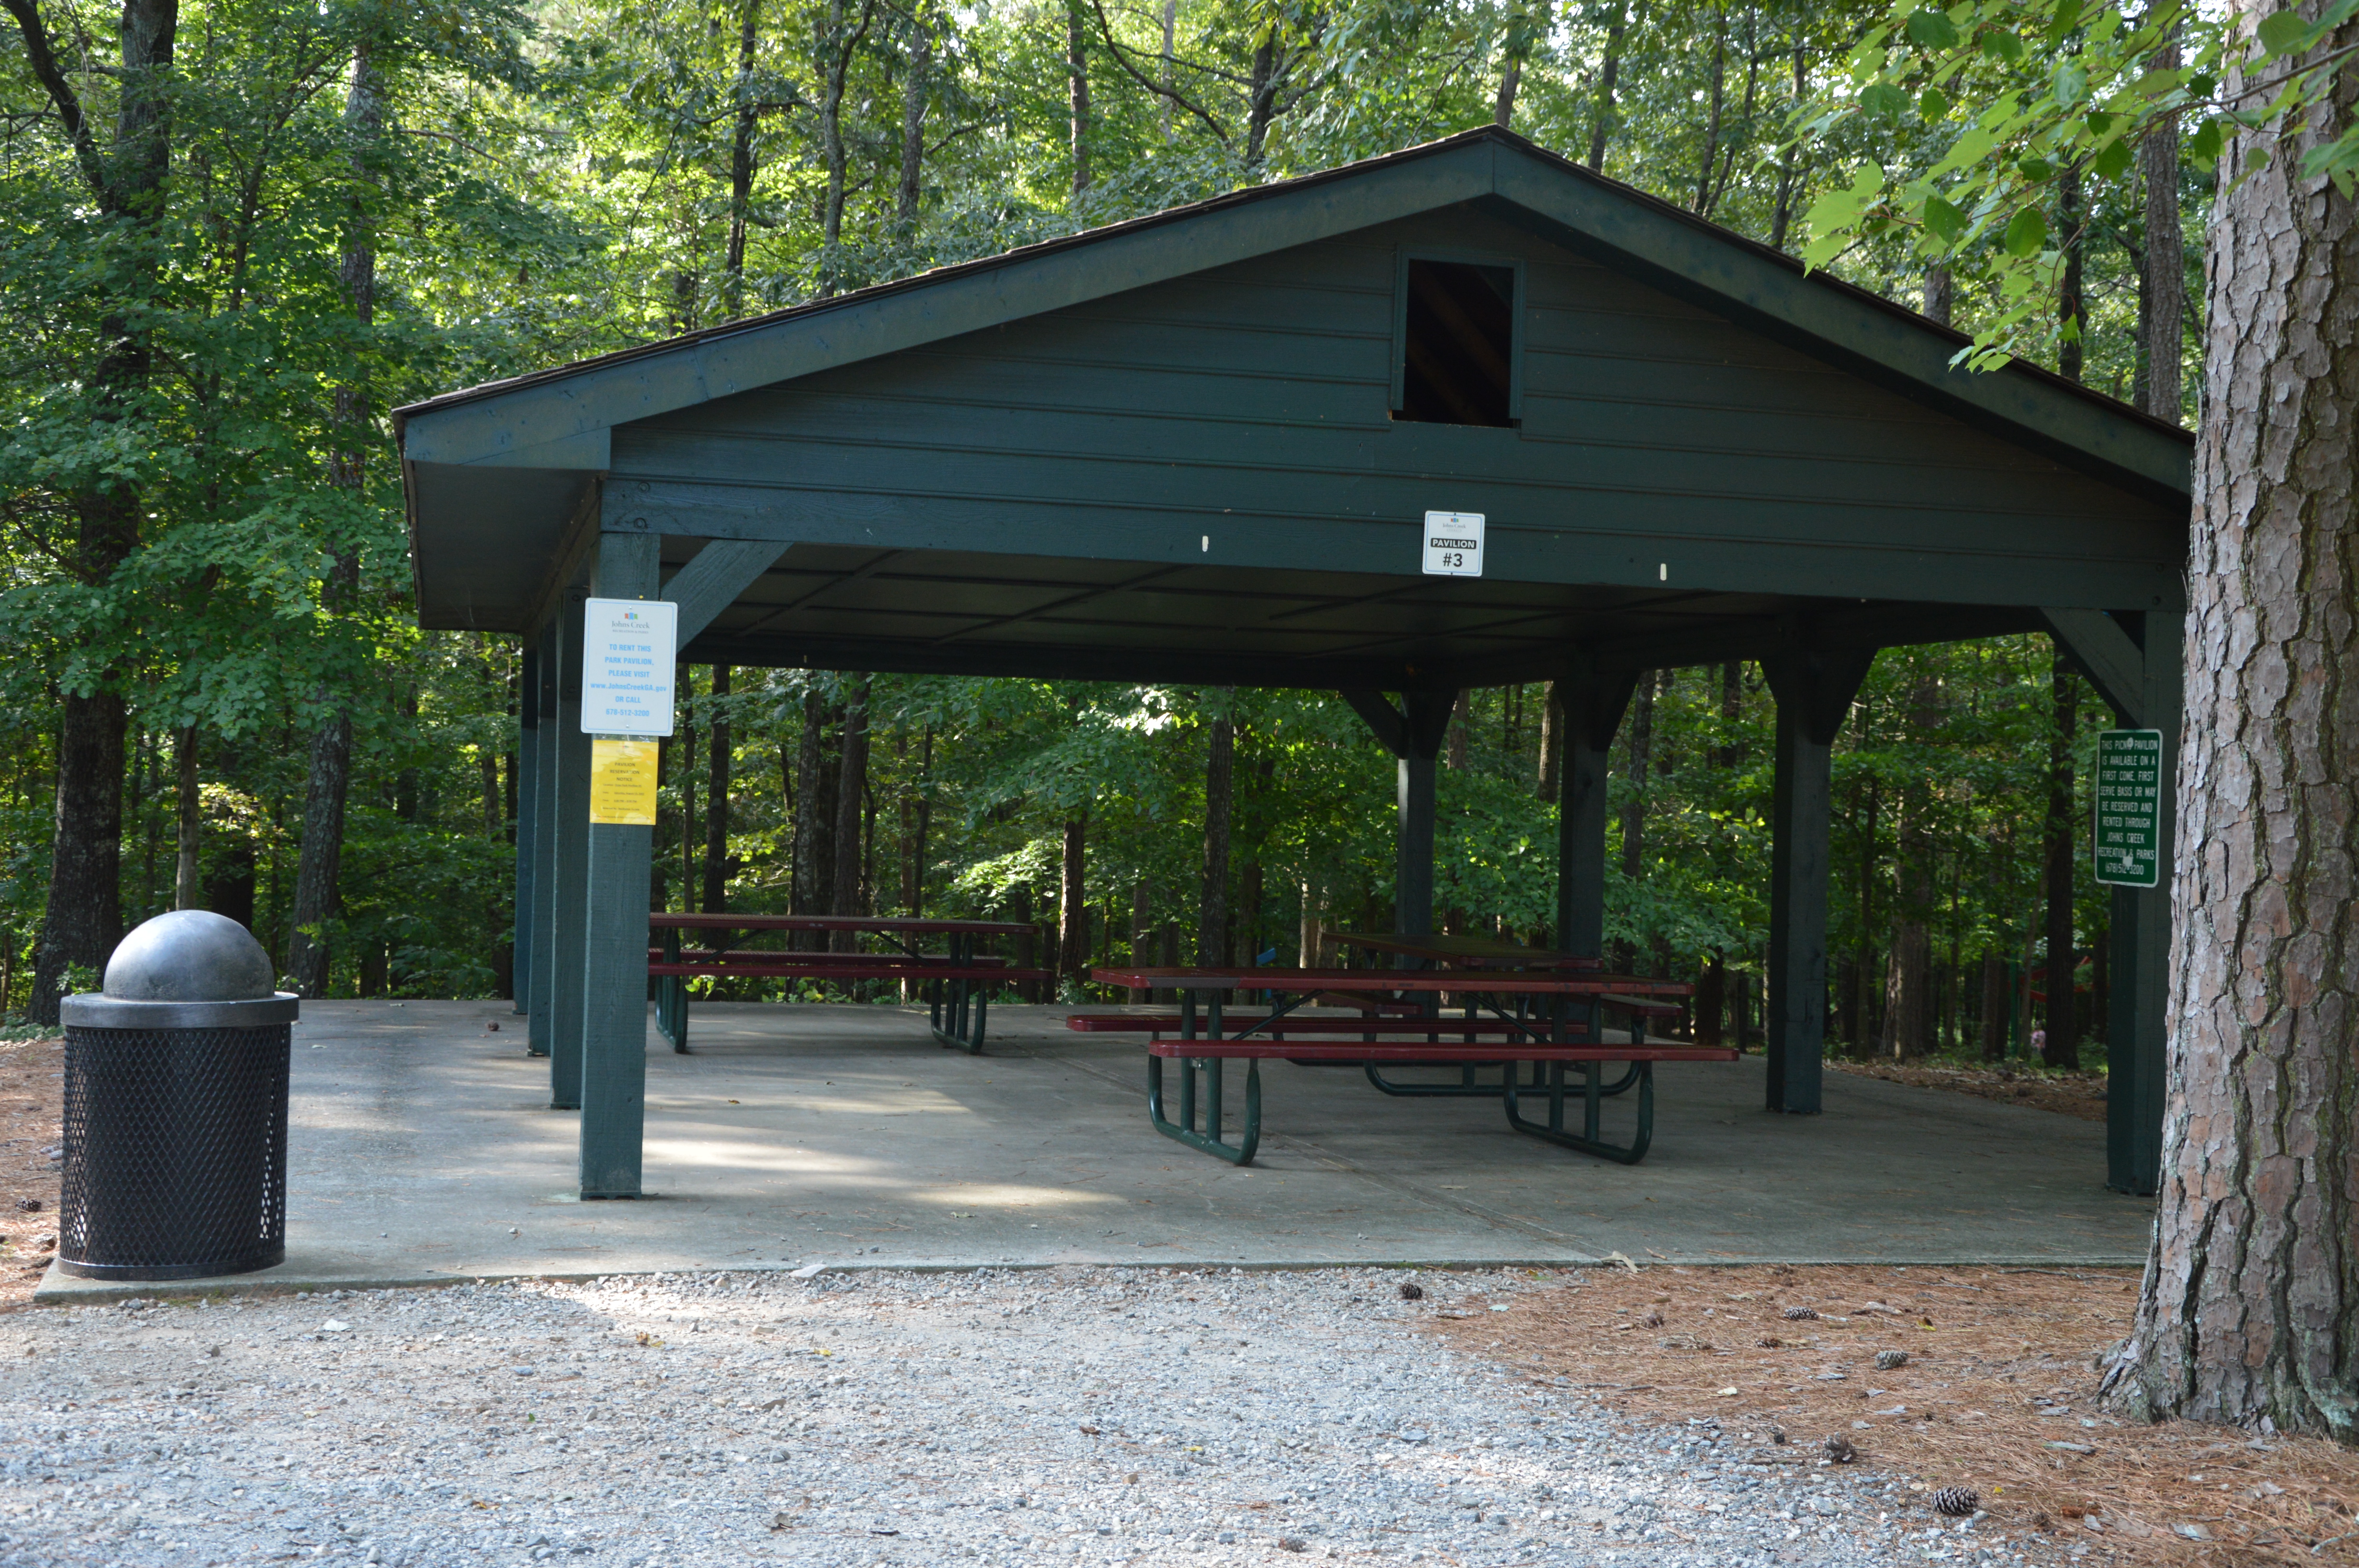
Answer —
1640 744
716 800
188 838
2163 276
1994 1007
1712 125
1213 907
1261 101
1455 756
741 165
1603 126
85 911
1511 76
1941 294
913 120
1732 713
1170 26
2250 1306
2062 840
317 897
815 821
852 790
1789 172
2072 235
1142 934
1551 720
1072 902
1077 84
1907 992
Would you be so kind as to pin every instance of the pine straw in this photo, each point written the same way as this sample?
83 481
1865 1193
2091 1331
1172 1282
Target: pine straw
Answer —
32 1095
1998 1336
2071 1094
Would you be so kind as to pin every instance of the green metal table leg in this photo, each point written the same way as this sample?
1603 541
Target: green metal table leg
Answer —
1184 1131
1587 1141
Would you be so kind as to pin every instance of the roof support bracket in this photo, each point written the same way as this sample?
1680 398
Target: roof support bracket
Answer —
711 581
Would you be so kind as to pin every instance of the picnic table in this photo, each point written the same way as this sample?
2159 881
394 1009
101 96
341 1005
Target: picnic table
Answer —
958 981
1553 1038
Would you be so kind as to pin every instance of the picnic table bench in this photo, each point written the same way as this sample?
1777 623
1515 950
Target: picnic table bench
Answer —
958 982
1551 1040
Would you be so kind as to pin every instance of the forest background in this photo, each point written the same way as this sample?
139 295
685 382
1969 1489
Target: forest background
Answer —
235 234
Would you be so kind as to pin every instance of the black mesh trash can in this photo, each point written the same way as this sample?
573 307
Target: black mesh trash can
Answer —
175 1107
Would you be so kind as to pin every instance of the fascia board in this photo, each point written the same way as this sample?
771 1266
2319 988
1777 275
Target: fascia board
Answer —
600 396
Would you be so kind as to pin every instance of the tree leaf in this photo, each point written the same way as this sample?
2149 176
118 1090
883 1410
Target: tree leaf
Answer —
1932 32
2072 84
1932 105
2037 170
2027 232
1944 220
2283 33
1883 101
2203 147
2003 47
2112 161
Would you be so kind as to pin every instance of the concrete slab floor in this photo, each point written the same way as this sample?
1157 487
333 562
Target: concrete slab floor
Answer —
423 1150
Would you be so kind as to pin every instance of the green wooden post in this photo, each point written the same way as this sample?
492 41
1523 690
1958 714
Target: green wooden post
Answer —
614 993
566 909
543 972
527 767
1591 706
1814 692
2136 1029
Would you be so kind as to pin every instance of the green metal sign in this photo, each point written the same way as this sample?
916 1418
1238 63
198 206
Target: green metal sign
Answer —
2129 807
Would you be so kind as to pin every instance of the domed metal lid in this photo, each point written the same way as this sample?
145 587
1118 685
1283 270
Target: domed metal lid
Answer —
190 954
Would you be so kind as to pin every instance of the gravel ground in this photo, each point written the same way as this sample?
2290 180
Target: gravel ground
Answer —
1081 1415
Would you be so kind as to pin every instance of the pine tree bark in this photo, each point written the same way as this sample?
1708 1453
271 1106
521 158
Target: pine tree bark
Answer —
2250 1306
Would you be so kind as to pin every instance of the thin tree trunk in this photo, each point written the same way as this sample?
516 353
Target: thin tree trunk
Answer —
2063 838
188 838
1712 123
914 83
1732 713
2071 311
1503 108
1789 173
716 800
2250 1307
1077 82
851 794
1640 747
2163 276
1994 1006
85 919
318 898
1261 101
741 165
1170 26
1142 934
1212 906
1551 717
1603 126
1072 902
815 820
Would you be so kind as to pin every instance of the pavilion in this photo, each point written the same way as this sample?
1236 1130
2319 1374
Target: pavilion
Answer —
1200 447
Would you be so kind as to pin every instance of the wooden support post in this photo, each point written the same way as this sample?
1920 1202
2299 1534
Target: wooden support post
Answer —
1413 733
1814 692
527 767
541 1026
614 990
571 817
1593 703
2133 659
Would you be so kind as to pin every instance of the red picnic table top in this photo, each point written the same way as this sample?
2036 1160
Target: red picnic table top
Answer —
1236 977
1487 950
883 924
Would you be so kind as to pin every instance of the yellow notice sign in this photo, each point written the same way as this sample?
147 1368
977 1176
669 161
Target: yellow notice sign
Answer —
623 783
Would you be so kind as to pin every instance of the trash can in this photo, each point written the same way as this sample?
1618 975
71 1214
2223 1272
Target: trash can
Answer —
175 1107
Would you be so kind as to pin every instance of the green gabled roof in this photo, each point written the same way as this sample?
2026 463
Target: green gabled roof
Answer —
557 418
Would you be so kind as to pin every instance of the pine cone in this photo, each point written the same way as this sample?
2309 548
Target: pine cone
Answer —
1412 1292
1891 1360
1653 1320
1800 1314
1955 1502
1840 1450
1769 1342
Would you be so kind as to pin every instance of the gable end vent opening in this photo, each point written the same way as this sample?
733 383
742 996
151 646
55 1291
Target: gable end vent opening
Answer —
1459 346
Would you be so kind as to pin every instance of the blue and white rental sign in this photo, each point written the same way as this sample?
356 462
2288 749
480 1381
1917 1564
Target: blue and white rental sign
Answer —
626 667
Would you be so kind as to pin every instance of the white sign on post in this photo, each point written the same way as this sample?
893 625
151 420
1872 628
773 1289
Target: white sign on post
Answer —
626 665
1454 544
